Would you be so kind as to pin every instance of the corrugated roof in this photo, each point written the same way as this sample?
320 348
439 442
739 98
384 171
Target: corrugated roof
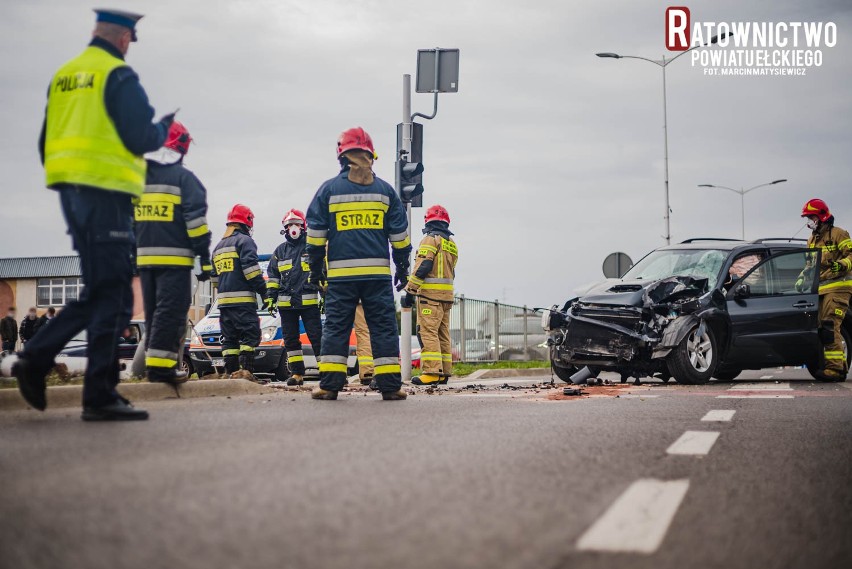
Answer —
35 267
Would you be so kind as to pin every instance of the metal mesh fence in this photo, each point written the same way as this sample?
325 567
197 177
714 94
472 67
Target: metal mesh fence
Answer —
491 331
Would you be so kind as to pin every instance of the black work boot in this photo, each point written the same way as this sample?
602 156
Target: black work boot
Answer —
118 410
296 379
170 377
232 364
31 382
247 361
394 395
323 394
366 380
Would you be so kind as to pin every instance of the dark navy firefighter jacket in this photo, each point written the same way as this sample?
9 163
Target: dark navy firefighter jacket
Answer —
288 276
356 223
238 273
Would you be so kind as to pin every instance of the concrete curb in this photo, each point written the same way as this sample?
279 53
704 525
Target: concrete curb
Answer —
501 373
72 395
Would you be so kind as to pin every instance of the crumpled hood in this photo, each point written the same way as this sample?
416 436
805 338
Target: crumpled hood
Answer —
619 292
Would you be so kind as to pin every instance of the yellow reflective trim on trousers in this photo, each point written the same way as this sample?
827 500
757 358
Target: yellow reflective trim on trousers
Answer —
244 348
358 271
234 352
317 241
365 360
447 357
147 260
332 368
401 244
310 302
347 206
236 300
198 231
835 286
160 362
389 368
296 359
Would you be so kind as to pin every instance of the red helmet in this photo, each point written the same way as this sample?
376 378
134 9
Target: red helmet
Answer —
437 213
355 139
178 138
241 214
294 216
818 208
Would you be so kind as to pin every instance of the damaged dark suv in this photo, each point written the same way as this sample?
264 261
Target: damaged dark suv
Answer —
704 308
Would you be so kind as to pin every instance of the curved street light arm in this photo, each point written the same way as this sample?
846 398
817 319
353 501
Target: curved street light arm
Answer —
721 187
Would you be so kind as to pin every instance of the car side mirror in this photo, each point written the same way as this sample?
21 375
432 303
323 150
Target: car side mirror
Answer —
742 291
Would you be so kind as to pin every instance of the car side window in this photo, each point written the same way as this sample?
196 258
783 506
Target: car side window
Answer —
780 275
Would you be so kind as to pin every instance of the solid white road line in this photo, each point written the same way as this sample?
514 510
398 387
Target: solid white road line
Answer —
755 397
763 386
694 443
766 377
638 520
718 415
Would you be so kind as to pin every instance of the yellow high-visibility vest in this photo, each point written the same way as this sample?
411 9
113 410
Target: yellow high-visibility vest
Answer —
82 145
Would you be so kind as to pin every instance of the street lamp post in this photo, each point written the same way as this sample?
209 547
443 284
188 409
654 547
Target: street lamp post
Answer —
663 63
742 194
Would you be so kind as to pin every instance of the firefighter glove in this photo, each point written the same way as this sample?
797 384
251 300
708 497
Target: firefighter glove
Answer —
400 279
271 306
407 300
800 284
836 267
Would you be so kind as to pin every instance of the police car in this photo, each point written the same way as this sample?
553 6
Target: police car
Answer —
205 350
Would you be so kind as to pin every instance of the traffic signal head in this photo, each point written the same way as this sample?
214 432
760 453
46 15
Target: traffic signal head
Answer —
409 180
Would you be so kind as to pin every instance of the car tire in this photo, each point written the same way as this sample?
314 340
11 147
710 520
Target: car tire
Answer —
727 374
694 362
847 339
282 373
564 373
186 365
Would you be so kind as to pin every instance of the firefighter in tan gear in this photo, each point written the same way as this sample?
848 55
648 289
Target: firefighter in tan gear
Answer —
432 283
835 282
364 349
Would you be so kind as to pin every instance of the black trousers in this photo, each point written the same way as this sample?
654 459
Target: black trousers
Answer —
101 227
167 295
380 312
240 333
310 315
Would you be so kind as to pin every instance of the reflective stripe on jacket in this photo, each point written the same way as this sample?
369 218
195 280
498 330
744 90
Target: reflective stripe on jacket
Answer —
82 145
438 282
288 276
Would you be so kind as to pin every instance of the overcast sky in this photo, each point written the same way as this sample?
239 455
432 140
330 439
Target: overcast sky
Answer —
547 158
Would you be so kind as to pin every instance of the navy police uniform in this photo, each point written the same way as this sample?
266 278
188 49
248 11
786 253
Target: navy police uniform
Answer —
358 224
171 231
297 298
239 279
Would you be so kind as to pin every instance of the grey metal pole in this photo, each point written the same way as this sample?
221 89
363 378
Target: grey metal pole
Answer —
666 156
496 328
742 210
526 341
405 316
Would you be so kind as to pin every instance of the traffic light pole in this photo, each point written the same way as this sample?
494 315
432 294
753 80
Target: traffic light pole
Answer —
404 153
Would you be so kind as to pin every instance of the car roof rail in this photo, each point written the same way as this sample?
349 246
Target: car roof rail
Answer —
787 239
694 239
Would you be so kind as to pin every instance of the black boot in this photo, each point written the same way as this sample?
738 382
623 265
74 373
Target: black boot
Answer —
118 410
171 376
247 361
232 364
31 382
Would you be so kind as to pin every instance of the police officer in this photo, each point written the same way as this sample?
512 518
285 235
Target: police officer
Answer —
432 283
356 215
296 298
238 279
171 231
835 281
97 127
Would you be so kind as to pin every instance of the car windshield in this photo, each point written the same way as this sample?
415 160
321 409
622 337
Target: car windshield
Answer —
477 345
696 263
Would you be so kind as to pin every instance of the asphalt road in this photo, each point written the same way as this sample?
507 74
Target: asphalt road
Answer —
482 477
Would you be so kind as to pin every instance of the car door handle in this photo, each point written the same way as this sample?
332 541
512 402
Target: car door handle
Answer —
803 304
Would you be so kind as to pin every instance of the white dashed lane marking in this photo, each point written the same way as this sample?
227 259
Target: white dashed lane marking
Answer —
694 443
638 520
767 396
718 415
762 386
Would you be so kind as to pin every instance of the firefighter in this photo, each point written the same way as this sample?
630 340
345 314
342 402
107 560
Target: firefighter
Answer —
97 127
296 298
171 231
238 279
835 282
432 283
356 215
